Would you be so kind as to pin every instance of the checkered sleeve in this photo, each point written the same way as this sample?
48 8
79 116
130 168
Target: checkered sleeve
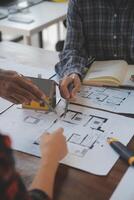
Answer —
11 185
73 58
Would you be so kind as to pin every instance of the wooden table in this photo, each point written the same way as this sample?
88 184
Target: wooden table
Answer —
70 184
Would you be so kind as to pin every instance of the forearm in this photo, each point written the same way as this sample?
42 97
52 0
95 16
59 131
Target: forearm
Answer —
45 176
74 57
72 62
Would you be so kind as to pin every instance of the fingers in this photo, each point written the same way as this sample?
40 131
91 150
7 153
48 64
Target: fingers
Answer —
64 87
77 84
25 95
18 93
31 88
75 80
53 146
18 89
58 131
20 99
11 99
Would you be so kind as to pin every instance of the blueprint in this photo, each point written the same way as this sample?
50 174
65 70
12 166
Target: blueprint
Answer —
86 131
106 98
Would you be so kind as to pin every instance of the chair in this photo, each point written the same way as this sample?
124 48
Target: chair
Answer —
60 44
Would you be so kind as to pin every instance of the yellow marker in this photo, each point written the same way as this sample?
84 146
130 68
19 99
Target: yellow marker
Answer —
122 150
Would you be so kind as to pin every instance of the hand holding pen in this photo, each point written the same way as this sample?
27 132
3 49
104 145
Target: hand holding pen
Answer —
69 86
65 90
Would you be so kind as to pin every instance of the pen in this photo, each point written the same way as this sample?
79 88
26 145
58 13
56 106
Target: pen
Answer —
70 87
122 150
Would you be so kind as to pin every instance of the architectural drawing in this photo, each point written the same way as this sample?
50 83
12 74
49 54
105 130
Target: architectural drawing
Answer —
87 140
86 131
111 99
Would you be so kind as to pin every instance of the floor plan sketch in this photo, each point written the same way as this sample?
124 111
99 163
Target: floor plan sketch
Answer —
86 131
25 124
86 140
111 99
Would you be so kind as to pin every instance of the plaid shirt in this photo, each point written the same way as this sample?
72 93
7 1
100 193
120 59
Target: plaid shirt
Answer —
11 185
96 29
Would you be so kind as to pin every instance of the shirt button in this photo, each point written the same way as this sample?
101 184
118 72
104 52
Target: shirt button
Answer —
115 15
114 37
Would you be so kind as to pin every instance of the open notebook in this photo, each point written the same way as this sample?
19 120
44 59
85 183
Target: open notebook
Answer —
111 73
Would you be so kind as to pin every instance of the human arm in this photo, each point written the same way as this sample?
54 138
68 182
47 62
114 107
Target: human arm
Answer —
53 149
17 88
74 58
11 185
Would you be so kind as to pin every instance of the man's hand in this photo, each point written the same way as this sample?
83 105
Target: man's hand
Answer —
17 88
75 80
53 147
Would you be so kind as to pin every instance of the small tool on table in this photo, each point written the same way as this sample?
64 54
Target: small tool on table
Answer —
70 87
122 150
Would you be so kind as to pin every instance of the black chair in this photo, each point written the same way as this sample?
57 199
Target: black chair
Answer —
60 44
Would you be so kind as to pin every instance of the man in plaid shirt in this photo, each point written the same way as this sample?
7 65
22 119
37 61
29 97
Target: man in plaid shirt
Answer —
96 29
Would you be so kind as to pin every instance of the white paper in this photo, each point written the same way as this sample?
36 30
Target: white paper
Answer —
4 105
125 189
110 99
130 72
86 131
27 70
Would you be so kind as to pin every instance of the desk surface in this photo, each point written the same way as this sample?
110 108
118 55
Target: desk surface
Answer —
44 15
28 55
70 183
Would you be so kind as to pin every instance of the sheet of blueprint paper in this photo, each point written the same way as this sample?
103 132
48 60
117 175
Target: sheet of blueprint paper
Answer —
4 105
125 189
24 126
86 131
27 70
110 99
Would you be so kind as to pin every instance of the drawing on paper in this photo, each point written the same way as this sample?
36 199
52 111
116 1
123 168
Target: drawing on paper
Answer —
93 126
104 95
112 99
86 131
